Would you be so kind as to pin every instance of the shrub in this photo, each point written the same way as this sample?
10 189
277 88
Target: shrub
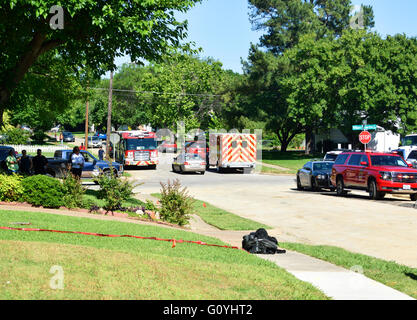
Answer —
16 136
11 188
113 190
43 191
73 192
176 204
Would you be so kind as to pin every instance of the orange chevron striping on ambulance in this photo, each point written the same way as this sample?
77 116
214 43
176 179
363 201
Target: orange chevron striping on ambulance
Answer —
232 150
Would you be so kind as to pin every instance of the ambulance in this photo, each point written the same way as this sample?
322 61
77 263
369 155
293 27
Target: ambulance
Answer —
232 151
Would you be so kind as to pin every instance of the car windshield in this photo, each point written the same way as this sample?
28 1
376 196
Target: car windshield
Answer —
391 161
140 144
322 166
413 155
410 141
95 139
195 145
67 134
192 156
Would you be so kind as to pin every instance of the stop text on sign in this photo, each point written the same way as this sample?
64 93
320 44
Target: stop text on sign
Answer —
365 137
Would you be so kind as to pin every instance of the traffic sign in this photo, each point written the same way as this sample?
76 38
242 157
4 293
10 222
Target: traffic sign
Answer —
366 127
114 138
365 137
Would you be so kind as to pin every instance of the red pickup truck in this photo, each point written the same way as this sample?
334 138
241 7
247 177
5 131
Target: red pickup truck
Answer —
377 173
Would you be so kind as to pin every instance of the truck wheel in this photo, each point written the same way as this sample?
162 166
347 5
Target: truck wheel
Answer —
374 194
340 187
413 197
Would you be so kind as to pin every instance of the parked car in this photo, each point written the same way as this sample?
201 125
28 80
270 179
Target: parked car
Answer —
101 136
92 167
68 137
189 162
168 147
315 175
377 173
94 142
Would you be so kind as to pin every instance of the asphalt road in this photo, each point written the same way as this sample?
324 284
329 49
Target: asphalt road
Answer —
384 229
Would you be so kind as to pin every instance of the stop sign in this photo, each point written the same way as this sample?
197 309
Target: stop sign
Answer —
365 137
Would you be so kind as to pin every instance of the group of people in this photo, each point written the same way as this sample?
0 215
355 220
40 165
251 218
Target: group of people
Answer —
25 164
39 164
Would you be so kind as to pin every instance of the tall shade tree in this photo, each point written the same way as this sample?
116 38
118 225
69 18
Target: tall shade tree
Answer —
285 23
93 33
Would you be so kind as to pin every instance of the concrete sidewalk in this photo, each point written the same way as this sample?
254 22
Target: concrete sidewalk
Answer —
335 282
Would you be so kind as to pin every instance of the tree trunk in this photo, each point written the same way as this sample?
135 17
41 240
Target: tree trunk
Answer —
309 141
284 146
36 47
4 99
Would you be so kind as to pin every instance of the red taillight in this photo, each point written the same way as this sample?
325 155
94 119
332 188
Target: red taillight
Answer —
203 163
186 163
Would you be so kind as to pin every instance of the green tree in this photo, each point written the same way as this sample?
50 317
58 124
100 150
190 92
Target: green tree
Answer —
94 34
273 77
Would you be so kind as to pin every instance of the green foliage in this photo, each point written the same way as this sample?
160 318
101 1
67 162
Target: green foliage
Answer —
16 136
94 33
11 188
73 192
113 190
287 21
176 204
43 191
149 205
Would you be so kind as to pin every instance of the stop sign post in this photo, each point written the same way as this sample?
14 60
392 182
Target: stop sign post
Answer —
365 137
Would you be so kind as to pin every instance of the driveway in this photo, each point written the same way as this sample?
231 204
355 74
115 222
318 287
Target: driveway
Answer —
384 229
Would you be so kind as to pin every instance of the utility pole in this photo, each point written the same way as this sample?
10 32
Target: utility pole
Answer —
109 118
86 117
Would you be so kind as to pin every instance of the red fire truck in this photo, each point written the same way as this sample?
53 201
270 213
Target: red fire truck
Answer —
137 148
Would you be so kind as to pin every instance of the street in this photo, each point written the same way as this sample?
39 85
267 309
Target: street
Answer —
383 229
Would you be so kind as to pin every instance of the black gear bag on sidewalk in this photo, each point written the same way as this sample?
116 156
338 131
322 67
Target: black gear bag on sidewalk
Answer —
260 242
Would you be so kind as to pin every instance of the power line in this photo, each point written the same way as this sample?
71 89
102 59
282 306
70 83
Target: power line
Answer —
155 92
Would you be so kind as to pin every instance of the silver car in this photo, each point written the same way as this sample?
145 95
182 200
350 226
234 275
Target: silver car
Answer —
189 162
94 142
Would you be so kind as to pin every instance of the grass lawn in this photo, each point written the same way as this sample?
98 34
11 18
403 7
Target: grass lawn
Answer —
127 268
399 277
222 219
275 171
292 160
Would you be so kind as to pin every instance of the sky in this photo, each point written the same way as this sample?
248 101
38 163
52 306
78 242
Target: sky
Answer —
222 28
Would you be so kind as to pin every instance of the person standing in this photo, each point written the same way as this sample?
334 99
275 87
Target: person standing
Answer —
40 163
11 162
82 147
101 154
77 163
61 138
25 163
